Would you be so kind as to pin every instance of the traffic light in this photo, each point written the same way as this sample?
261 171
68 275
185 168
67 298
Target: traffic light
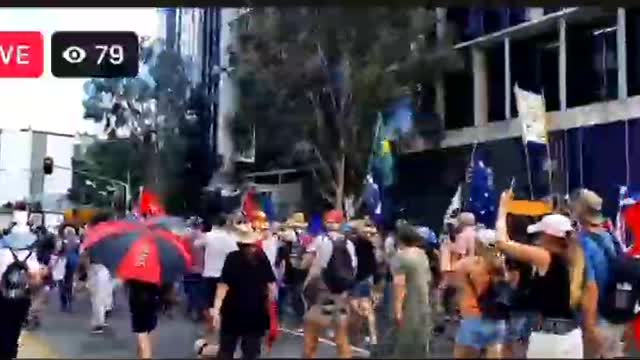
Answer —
47 165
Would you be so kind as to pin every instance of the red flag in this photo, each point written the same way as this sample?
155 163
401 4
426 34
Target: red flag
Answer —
150 204
632 220
250 204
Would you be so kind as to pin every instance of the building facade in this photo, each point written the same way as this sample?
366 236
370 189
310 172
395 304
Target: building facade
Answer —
584 62
21 174
196 33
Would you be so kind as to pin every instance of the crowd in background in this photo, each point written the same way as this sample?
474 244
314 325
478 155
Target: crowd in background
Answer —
536 287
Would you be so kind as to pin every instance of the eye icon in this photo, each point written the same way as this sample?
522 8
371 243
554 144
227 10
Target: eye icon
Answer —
74 54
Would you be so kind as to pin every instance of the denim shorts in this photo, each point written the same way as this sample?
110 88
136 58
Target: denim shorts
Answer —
363 289
478 333
520 326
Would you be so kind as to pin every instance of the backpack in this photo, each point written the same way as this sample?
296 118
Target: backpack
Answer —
339 275
15 283
618 300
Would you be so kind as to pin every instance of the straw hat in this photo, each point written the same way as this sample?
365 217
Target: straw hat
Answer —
297 220
589 206
245 233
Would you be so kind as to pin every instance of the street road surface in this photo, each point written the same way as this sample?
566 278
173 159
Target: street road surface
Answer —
64 335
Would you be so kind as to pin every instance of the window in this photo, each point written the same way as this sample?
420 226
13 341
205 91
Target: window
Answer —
534 66
633 51
495 82
592 64
459 95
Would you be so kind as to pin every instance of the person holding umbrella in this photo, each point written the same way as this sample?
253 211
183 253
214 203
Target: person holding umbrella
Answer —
245 294
145 257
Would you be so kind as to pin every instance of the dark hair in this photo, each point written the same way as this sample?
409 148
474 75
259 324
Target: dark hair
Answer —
206 226
408 236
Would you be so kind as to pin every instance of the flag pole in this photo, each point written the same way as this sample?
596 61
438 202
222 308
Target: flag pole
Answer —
548 146
528 163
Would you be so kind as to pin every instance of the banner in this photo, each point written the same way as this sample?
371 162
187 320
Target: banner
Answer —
533 116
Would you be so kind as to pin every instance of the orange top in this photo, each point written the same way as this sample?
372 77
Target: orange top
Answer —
467 268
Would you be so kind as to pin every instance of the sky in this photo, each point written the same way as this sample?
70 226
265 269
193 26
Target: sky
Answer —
48 103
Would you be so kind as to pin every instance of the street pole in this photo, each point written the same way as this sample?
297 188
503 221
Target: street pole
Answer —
125 185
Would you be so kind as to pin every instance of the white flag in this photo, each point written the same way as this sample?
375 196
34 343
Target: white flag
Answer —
454 207
532 114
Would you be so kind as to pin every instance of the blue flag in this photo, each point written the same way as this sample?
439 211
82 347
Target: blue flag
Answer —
482 195
316 226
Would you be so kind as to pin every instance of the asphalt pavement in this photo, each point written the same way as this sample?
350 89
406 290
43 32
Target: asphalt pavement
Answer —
67 335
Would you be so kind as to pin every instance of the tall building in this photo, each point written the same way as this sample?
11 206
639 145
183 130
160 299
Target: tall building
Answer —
585 63
195 33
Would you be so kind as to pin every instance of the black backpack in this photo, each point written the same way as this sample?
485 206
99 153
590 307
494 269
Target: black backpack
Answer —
618 300
339 275
15 283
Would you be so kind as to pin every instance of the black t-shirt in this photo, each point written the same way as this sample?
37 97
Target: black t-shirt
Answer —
550 293
365 253
244 309
522 295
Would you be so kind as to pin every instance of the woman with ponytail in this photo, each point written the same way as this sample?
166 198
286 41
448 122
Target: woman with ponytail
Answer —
557 287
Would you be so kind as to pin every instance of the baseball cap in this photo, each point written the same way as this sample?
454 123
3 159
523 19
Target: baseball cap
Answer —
554 225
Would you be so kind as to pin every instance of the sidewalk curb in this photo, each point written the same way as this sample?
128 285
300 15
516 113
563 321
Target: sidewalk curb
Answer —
32 346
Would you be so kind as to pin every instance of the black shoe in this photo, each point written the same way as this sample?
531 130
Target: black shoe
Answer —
97 329
107 314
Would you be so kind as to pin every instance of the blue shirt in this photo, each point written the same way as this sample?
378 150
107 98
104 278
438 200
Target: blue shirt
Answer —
596 262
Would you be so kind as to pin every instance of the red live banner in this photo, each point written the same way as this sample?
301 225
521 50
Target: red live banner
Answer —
21 54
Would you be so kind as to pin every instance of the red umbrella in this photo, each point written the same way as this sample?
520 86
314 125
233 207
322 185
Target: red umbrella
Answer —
133 250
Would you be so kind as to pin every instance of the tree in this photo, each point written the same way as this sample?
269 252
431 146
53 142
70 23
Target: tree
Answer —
163 122
311 81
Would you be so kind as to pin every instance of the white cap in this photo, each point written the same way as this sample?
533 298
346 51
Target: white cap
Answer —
486 236
554 225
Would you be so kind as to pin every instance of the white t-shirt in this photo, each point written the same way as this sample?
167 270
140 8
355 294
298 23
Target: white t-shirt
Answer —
217 245
323 248
57 264
6 259
270 248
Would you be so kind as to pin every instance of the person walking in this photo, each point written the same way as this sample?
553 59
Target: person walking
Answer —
482 330
245 292
217 244
362 294
331 277
411 282
557 288
598 243
193 282
57 265
20 272
100 288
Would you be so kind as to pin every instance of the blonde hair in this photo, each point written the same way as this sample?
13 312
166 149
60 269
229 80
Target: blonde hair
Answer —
575 255
492 257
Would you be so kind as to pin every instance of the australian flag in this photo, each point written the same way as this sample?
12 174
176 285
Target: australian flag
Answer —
482 200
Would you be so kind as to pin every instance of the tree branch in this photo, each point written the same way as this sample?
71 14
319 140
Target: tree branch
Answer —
322 191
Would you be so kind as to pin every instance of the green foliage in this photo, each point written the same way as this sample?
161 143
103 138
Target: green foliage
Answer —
154 102
311 81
